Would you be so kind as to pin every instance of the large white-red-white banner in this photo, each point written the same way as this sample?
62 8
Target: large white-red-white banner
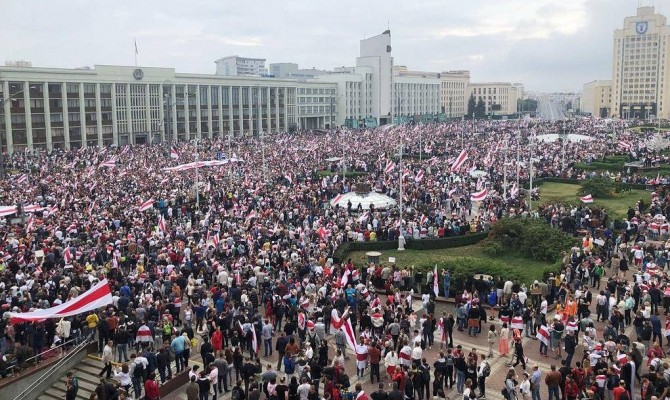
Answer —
345 324
99 295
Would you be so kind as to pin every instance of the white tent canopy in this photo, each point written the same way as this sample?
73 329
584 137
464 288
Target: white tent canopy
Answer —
379 200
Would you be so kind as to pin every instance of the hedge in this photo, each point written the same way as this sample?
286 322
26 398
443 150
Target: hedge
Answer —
422 244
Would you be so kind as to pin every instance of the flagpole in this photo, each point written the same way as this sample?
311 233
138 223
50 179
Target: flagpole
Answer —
135 52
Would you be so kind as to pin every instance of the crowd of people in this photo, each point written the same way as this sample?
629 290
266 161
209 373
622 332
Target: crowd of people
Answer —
223 254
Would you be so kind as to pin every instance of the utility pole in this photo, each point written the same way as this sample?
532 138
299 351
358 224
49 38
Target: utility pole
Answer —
401 237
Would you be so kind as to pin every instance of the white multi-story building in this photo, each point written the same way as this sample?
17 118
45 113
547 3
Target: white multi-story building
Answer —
597 99
376 54
353 101
291 71
500 98
417 94
241 66
64 108
455 93
640 54
316 104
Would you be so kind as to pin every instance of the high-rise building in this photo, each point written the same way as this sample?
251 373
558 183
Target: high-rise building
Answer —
376 54
500 98
640 54
241 66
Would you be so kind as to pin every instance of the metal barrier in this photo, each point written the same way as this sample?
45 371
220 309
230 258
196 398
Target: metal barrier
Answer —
11 369
54 368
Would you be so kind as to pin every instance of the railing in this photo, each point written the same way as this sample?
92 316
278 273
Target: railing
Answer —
54 368
35 358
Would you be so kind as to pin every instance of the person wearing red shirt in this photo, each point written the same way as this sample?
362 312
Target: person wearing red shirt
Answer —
620 391
151 391
217 339
571 389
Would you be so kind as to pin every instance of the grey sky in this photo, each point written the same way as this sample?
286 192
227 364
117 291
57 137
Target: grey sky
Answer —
549 45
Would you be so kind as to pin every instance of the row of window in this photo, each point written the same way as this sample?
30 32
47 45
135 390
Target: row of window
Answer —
316 91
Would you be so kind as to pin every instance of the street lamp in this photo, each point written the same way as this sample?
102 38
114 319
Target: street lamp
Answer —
3 101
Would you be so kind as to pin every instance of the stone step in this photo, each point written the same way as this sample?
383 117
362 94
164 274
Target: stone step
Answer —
83 392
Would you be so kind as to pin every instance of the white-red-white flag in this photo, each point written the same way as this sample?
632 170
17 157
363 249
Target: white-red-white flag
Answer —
479 196
161 224
147 205
390 166
543 335
460 160
22 179
67 255
586 199
174 154
419 176
436 285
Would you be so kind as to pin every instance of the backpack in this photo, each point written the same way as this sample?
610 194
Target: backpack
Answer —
139 370
487 371
235 394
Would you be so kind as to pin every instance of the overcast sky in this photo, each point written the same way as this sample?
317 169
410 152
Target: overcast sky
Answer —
549 45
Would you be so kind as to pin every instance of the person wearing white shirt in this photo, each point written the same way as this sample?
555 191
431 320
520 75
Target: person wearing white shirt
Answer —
417 353
481 379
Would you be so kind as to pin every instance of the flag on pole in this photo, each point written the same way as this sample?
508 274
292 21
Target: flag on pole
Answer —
419 176
586 199
405 174
22 179
344 323
479 196
136 51
174 154
215 239
436 285
390 166
424 219
515 191
337 199
460 160
147 205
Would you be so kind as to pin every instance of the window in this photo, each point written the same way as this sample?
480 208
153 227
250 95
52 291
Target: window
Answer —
89 88
73 88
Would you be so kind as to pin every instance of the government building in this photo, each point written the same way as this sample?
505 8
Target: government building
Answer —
639 83
48 108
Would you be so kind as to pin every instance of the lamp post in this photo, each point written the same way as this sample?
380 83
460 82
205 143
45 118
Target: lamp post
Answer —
401 236
3 101
564 142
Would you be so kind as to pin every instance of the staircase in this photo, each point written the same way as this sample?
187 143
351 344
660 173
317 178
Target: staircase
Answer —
86 372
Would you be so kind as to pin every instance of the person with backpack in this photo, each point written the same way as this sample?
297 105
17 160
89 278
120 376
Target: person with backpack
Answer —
138 367
483 373
71 386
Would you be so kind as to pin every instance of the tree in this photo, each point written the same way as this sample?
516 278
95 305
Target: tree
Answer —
480 109
471 105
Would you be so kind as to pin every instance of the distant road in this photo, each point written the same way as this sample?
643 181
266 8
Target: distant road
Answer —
550 110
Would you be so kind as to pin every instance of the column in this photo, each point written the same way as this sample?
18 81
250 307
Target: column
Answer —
98 114
221 112
186 116
147 105
129 113
161 112
286 122
28 114
252 116
115 118
209 111
241 113
66 116
277 108
268 106
231 128
82 115
198 122
173 110
9 140
47 116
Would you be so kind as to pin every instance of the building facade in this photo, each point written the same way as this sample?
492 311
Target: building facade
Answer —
596 99
241 66
640 54
51 108
375 53
500 98
416 94
316 107
454 93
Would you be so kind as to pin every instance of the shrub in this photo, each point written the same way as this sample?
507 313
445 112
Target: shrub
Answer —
533 239
598 187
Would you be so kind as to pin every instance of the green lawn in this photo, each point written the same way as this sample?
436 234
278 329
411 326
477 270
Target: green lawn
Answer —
425 259
552 192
